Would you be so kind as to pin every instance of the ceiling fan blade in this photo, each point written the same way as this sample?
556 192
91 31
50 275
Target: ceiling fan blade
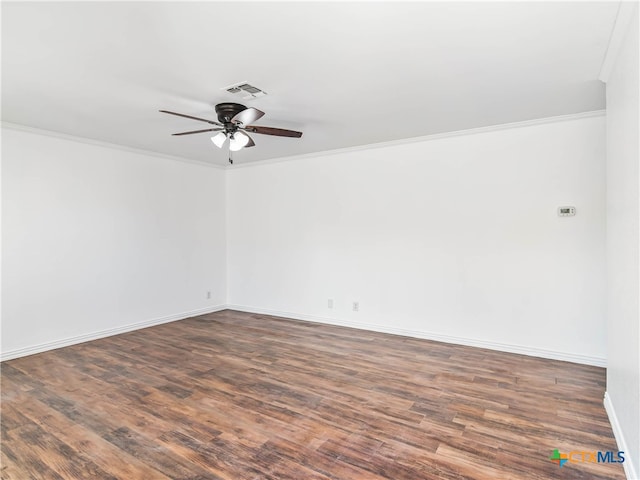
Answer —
278 132
198 131
247 116
192 118
251 143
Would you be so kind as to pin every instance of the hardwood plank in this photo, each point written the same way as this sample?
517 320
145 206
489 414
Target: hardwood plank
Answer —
114 461
240 396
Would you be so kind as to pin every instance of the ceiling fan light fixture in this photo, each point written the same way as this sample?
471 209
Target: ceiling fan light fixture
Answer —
233 118
237 141
219 139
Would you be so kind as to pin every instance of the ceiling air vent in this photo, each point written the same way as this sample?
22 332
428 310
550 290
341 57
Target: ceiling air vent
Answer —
245 90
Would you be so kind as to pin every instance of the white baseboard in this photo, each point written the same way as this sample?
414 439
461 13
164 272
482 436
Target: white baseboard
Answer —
533 352
65 342
629 468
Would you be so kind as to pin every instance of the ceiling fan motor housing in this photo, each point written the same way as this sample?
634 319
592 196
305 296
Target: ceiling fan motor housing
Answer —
226 111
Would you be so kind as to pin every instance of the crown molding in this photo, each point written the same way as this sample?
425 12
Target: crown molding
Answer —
426 138
99 143
626 11
357 148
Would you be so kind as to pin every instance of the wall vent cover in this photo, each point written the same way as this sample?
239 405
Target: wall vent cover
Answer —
245 90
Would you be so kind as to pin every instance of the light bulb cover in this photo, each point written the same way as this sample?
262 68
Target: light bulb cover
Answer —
237 141
219 139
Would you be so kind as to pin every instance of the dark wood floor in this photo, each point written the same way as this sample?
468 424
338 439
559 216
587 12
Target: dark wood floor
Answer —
240 396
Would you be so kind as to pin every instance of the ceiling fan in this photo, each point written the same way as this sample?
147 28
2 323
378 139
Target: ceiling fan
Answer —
233 124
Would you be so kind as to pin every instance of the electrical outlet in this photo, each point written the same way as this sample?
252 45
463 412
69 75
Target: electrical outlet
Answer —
356 306
330 303
209 294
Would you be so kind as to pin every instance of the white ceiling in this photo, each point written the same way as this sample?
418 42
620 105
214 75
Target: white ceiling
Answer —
345 74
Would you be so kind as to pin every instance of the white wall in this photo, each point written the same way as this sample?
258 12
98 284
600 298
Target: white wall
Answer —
455 238
623 243
99 239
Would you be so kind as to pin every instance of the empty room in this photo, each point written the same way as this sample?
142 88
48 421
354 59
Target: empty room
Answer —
320 240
